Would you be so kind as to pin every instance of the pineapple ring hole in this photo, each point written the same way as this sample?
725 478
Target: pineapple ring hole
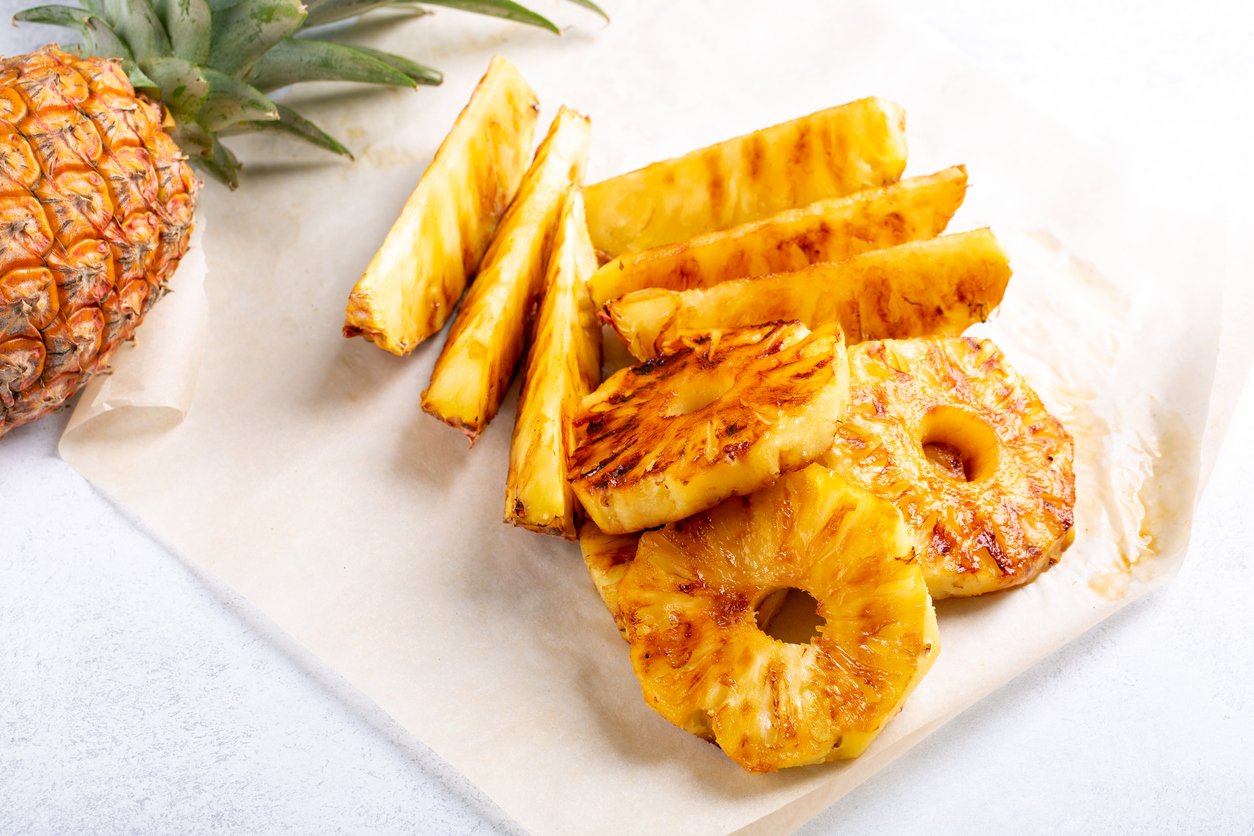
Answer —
959 444
700 392
789 615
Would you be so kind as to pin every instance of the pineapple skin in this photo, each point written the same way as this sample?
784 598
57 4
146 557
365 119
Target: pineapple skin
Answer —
688 602
473 371
827 230
720 414
939 286
563 366
859 145
412 283
1015 517
96 205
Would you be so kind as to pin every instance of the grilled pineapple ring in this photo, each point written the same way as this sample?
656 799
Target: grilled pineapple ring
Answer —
714 415
947 431
688 599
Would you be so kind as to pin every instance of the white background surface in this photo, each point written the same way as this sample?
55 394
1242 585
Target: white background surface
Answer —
136 696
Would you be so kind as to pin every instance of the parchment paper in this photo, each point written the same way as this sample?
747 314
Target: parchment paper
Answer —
305 476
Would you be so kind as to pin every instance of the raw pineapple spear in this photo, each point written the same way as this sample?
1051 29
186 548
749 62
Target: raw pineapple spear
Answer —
827 230
922 288
688 601
834 152
473 371
415 279
563 365
719 414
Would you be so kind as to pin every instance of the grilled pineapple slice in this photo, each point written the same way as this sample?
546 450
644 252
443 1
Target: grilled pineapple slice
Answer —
486 340
411 285
563 366
828 230
982 473
687 602
939 286
720 414
860 145
609 556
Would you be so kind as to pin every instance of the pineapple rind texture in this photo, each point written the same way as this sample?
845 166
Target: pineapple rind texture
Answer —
413 282
96 206
473 371
720 414
983 423
688 602
938 286
859 145
563 366
827 230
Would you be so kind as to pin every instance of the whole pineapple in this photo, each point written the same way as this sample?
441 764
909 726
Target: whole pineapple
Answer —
95 212
96 194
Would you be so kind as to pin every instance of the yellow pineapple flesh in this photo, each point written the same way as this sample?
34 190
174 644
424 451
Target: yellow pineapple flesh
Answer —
688 603
608 557
717 415
939 286
96 206
413 282
981 471
473 371
563 366
860 145
827 230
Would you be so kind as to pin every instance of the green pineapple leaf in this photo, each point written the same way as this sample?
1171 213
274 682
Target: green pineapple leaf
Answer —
183 86
97 36
188 24
294 60
330 11
506 9
137 24
231 101
219 162
420 73
242 33
293 124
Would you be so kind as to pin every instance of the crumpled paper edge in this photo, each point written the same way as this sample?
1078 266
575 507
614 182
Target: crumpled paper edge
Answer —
151 381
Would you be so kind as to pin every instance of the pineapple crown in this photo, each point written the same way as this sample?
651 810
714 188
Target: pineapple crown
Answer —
213 63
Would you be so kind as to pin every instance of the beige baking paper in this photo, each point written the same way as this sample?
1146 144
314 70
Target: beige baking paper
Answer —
305 476
153 378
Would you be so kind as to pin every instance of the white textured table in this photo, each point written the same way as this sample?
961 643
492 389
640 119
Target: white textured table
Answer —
136 696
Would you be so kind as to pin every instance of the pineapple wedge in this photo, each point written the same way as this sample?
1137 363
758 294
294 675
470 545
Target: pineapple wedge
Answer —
411 285
688 599
486 340
946 430
860 145
940 286
563 366
828 230
720 414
